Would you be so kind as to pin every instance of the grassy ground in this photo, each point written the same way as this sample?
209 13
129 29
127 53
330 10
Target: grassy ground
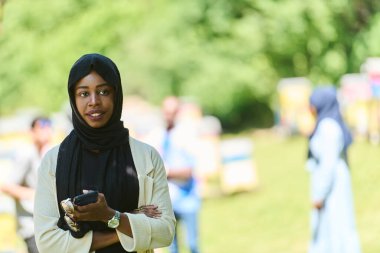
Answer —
275 217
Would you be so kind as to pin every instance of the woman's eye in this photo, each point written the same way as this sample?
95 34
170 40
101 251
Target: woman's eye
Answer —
104 92
83 94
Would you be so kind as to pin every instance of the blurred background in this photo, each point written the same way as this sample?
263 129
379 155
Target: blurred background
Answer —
245 68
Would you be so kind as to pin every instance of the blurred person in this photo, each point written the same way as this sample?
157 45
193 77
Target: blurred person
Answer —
173 141
23 178
333 222
132 211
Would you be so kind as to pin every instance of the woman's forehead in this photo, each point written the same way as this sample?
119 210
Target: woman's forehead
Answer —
93 78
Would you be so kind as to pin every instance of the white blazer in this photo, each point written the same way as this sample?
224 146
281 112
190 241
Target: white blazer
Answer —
148 233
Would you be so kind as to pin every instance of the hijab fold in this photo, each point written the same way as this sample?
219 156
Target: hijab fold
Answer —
110 169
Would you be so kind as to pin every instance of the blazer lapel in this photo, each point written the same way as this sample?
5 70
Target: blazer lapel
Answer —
144 167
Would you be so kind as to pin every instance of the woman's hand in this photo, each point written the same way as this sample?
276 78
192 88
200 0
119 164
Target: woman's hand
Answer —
318 205
98 211
149 210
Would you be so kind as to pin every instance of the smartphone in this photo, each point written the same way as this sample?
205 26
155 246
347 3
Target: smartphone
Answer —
85 199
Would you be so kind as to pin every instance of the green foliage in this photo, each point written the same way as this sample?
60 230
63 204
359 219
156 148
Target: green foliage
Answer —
229 55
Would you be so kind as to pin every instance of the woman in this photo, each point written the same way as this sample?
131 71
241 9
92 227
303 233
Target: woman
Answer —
333 224
100 155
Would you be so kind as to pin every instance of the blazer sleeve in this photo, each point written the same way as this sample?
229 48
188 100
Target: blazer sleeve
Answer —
330 145
150 233
49 237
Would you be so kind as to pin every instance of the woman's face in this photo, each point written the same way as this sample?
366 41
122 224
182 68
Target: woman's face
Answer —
94 100
313 111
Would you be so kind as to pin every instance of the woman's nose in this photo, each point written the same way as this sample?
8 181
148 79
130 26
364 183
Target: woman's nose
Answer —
94 99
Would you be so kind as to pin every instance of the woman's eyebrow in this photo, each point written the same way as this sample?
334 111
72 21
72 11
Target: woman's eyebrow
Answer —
97 86
102 84
81 87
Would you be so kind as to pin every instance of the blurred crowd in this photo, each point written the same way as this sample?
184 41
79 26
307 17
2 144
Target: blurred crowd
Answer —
199 163
358 95
216 166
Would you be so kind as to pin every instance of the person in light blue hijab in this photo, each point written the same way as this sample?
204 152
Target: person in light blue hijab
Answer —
325 105
332 219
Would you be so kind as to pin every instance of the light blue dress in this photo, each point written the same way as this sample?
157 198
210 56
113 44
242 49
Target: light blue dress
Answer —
333 227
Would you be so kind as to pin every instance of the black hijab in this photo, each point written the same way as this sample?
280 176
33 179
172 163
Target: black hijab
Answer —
111 170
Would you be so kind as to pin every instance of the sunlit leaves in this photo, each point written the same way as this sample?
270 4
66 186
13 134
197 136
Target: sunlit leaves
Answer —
228 55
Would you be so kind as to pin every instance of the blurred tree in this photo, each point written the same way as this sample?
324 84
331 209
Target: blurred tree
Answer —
227 54
2 2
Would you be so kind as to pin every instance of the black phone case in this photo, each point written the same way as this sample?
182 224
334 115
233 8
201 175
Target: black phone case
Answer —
85 199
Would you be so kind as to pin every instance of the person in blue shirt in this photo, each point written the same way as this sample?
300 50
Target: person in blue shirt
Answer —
180 164
333 222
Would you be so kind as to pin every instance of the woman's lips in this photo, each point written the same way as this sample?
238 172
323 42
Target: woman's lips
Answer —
95 115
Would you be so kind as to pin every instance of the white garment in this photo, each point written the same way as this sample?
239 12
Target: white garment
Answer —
24 174
148 233
333 227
